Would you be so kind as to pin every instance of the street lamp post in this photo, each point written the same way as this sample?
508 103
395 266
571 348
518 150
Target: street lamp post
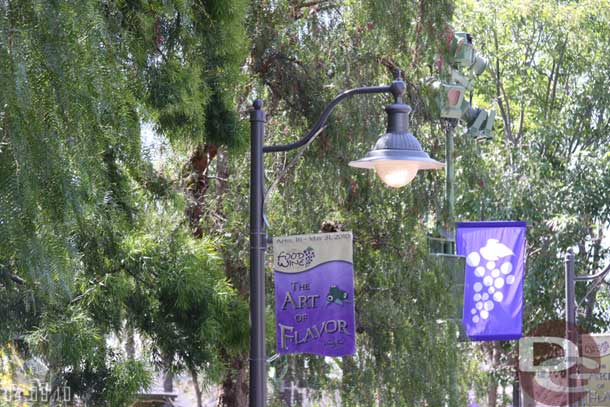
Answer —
571 331
396 158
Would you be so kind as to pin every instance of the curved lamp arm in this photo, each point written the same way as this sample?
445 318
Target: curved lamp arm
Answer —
600 279
594 276
397 88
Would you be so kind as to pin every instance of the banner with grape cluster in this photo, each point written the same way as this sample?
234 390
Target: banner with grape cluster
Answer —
314 294
493 280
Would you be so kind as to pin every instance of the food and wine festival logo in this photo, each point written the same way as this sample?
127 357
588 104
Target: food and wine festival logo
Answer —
301 258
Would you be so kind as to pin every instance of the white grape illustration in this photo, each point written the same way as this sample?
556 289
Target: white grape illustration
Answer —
495 272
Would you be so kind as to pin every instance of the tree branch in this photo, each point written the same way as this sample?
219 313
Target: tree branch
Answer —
13 277
554 92
501 94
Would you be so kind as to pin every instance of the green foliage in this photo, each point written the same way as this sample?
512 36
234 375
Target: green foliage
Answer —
78 357
187 55
78 80
179 296
95 241
548 164
303 58
127 378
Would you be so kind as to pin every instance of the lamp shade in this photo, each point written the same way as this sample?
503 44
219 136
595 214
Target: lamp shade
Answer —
397 155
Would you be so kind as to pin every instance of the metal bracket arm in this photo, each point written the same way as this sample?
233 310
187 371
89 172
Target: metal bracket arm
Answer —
325 114
593 277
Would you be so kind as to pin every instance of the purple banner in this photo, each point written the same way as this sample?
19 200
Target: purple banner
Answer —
493 281
314 294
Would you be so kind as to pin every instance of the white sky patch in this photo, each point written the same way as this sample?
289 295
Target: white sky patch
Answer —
155 146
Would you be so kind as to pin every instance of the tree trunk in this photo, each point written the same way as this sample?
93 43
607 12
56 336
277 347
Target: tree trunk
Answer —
168 381
222 174
198 392
492 393
493 352
197 184
130 343
234 390
168 374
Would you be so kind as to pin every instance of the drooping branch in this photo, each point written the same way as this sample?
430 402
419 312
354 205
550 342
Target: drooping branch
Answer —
13 277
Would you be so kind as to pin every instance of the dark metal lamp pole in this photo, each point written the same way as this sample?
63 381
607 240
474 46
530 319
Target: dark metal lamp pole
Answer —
571 332
396 157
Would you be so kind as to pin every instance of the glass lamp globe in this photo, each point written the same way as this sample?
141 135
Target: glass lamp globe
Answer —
397 155
394 173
